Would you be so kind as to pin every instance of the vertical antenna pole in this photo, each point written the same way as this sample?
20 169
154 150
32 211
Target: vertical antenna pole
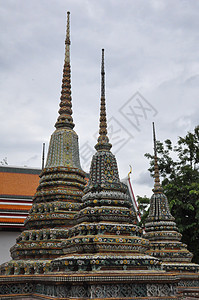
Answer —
43 156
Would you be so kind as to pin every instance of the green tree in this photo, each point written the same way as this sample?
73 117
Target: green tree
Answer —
179 169
143 203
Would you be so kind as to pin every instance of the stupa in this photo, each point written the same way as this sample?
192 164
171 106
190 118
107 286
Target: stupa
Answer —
105 252
163 234
58 195
82 245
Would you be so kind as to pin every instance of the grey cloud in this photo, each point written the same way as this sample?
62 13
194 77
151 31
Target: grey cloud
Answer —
192 81
150 46
144 179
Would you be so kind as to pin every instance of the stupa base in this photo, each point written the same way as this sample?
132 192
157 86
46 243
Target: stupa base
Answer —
90 285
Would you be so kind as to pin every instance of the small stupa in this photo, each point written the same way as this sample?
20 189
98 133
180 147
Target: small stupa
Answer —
163 234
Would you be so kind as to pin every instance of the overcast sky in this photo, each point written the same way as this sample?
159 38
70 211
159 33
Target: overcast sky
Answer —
152 74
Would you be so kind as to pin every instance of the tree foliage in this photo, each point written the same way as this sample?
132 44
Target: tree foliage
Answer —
179 170
143 208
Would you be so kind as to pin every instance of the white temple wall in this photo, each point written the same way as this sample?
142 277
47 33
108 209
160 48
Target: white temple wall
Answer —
7 240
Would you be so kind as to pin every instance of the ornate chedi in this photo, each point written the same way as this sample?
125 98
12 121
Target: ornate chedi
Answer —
105 249
163 234
106 221
58 195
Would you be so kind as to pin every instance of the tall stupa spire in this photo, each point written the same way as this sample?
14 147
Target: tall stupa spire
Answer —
103 140
64 150
65 119
157 186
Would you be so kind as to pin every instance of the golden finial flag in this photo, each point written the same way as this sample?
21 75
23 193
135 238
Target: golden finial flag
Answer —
129 173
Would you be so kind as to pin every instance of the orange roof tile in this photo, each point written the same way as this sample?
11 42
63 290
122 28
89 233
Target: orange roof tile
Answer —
12 220
15 207
18 184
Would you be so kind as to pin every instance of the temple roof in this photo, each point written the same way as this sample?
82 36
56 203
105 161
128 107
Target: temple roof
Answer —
17 186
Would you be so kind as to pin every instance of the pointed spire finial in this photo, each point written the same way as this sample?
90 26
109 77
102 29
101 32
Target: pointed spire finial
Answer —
67 41
103 140
102 76
154 140
157 186
65 119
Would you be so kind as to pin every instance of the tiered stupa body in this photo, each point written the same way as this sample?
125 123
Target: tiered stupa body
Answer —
58 195
163 234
